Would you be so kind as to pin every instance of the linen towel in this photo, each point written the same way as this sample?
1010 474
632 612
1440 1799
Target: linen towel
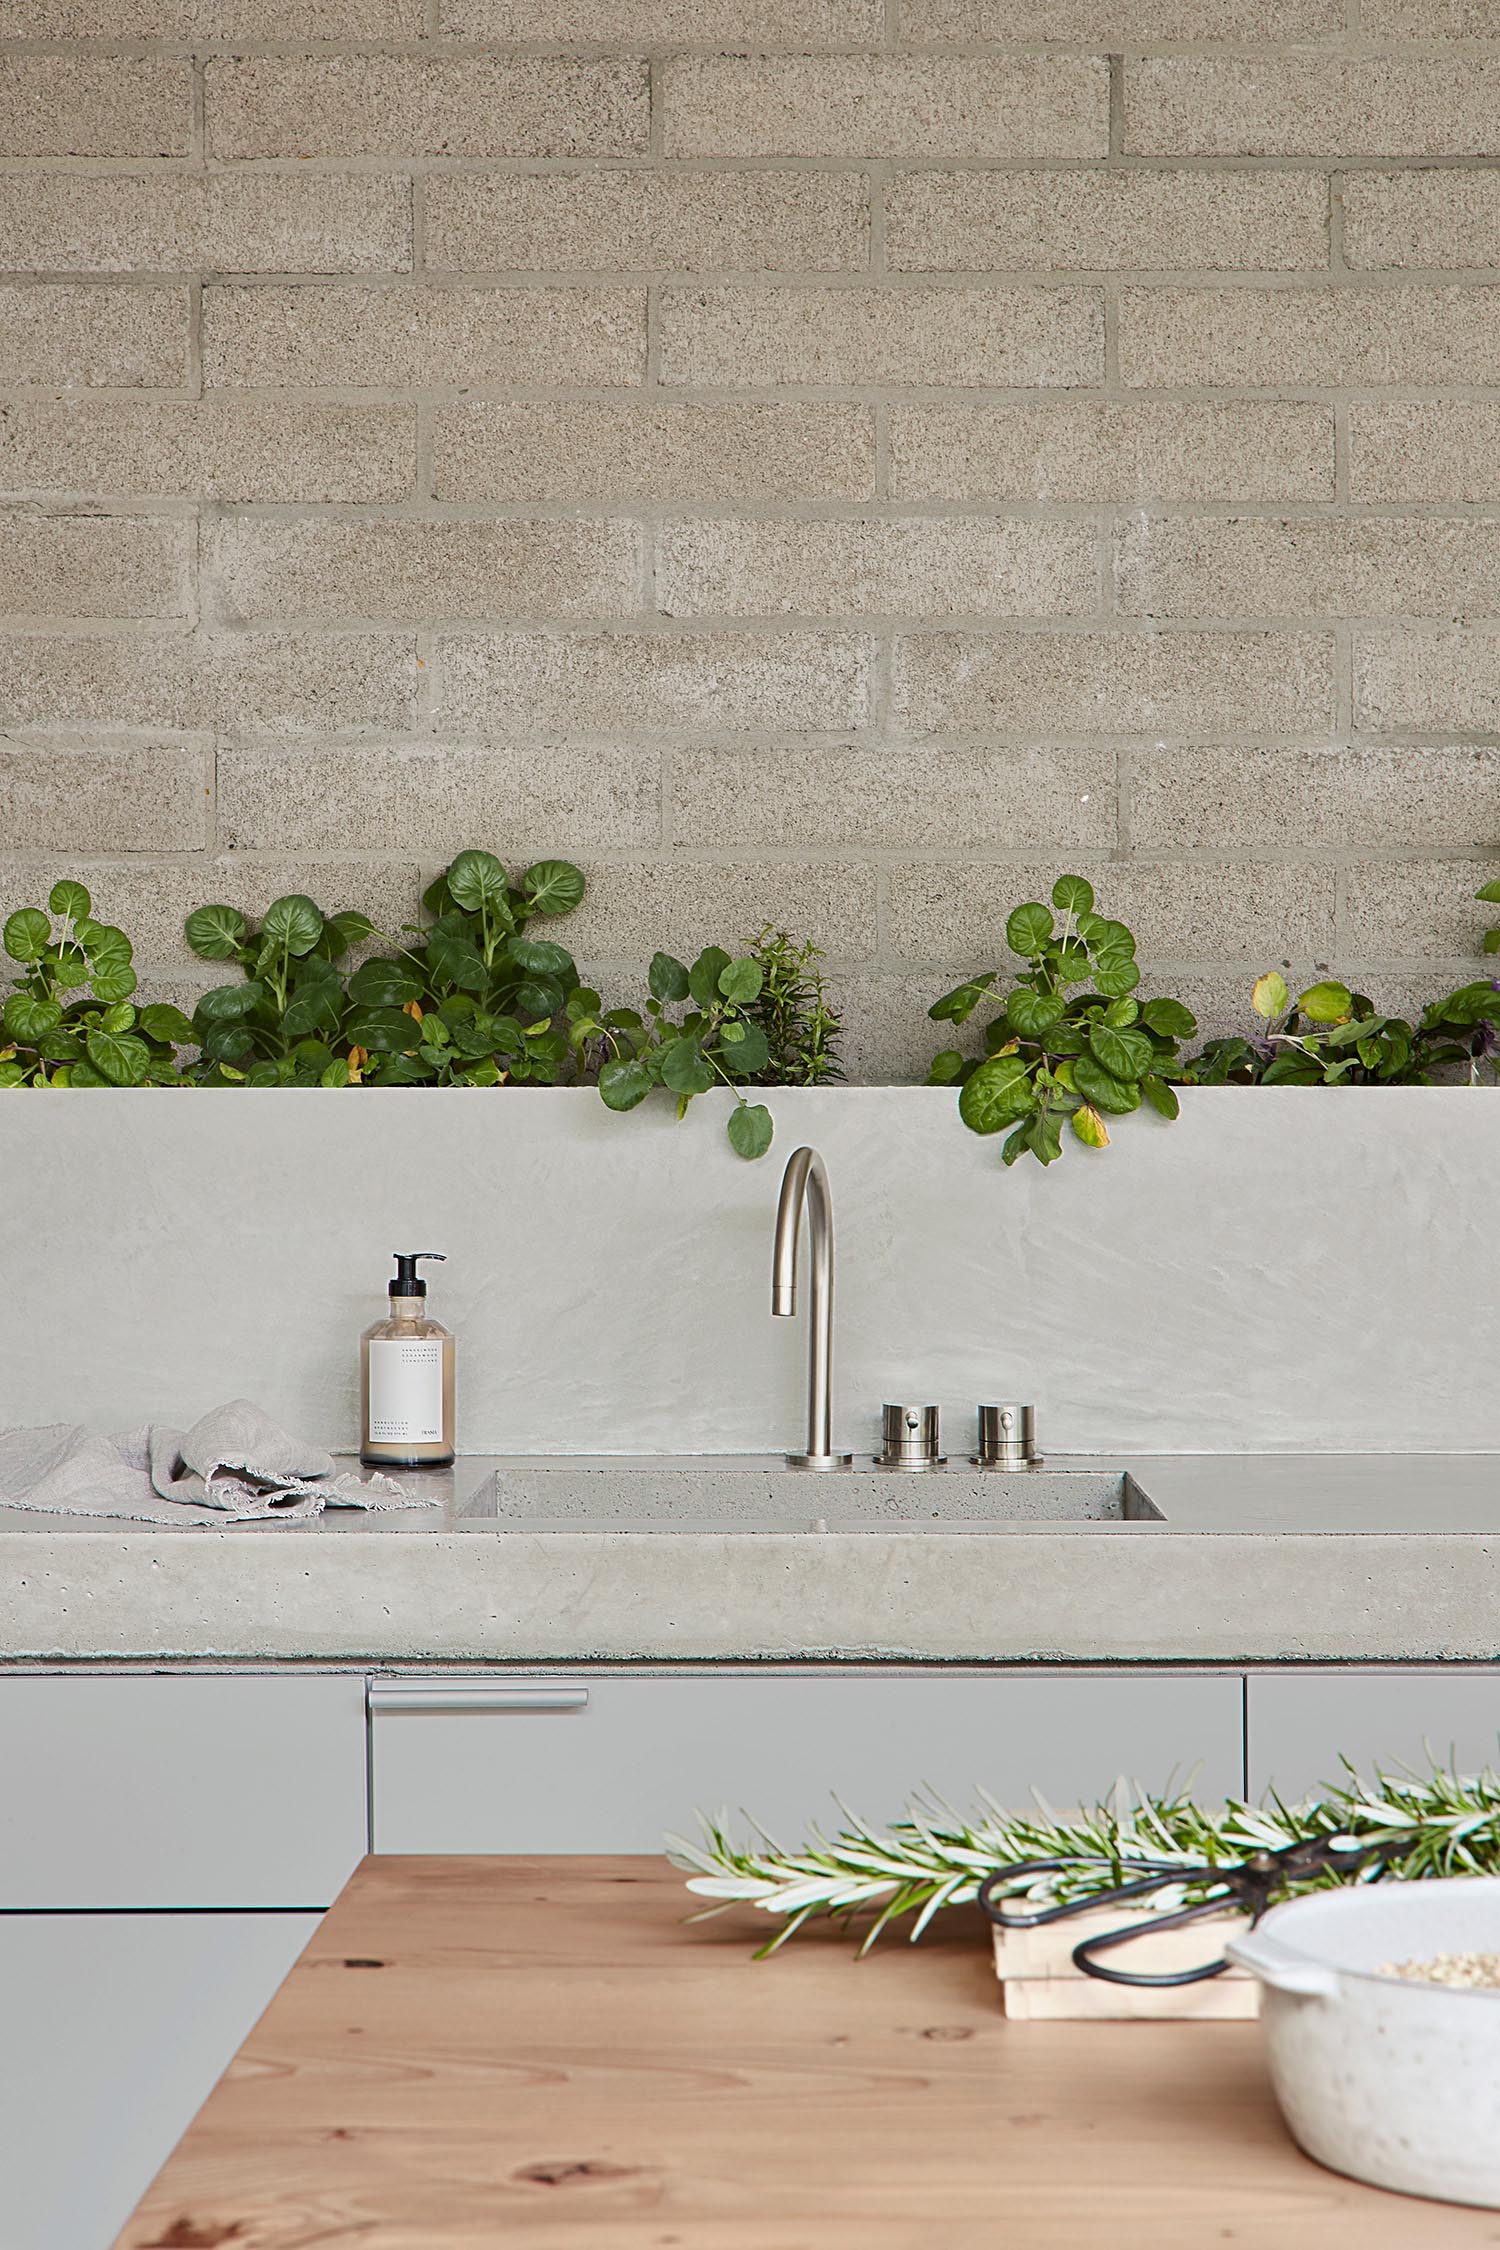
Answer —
234 1465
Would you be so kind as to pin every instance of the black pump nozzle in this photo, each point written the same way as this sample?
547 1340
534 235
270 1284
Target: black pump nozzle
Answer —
408 1282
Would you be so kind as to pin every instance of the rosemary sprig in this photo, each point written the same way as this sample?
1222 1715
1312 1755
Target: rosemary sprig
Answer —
1429 1824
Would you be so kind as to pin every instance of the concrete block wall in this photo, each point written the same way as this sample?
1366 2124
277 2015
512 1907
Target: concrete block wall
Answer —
838 461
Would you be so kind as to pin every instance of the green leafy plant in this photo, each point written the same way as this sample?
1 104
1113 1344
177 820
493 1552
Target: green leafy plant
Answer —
716 1041
1327 1036
1433 1824
801 1026
70 1020
282 1022
473 1000
1054 1054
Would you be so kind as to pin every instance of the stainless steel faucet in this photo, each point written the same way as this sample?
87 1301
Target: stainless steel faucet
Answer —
805 1183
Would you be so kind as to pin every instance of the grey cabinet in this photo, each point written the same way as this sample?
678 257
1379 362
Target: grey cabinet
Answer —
611 1762
1299 1722
179 1790
113 2029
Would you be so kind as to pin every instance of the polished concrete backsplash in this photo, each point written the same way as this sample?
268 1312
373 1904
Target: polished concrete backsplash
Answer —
1282 1270
835 462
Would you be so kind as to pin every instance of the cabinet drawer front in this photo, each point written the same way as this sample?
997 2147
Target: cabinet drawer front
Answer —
185 1790
114 2029
644 1753
1299 1724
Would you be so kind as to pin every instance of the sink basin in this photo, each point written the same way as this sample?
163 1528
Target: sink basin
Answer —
748 1493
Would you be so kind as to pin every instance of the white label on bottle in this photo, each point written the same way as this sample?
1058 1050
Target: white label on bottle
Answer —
406 1391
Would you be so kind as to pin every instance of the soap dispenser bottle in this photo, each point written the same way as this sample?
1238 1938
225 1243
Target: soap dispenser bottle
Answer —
406 1378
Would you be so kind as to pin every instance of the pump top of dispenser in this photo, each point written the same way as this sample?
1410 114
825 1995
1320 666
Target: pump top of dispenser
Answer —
408 1282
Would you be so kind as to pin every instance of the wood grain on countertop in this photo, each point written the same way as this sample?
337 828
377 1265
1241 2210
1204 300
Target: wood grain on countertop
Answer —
536 2052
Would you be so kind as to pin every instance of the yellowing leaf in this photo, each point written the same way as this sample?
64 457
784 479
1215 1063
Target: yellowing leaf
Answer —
1089 1126
1270 996
413 1008
358 1057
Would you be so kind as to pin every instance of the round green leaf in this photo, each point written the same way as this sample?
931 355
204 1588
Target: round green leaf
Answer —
1028 930
1102 1090
958 1005
227 1003
1325 1003
553 886
750 1129
743 1049
70 900
667 979
27 934
704 975
294 922
1106 936
336 1073
1072 895
1125 1054
118 1056
944 1068
741 982
1032 1014
477 879
1122 1013
1115 974
112 982
999 1092
540 957
1169 1018
12 1074
119 1018
684 1068
340 931
164 1022
622 1084
216 933
385 984
384 1031
1161 1096
28 1018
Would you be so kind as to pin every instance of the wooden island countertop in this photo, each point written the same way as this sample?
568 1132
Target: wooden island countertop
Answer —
537 2052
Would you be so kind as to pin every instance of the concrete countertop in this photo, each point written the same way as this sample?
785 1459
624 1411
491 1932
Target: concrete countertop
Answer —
1250 1559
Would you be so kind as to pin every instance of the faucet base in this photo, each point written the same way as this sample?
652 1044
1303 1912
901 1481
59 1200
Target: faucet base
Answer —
820 1460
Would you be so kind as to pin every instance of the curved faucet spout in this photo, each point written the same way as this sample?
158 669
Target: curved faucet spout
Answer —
804 1186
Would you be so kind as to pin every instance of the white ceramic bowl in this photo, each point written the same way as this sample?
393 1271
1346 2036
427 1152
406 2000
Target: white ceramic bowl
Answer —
1390 2081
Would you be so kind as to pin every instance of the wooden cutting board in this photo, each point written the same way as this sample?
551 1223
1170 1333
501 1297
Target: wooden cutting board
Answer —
536 2053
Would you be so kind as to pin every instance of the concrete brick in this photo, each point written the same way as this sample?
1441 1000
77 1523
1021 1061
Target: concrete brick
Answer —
593 449
151 903
93 566
1178 910
221 448
632 221
262 336
1306 105
1430 19
86 105
285 682
1117 683
1442 218
1405 334
62 338
438 799
1098 221
738 339
1430 680
1424 449
1328 796
681 905
895 800
98 797
1374 566
887 106
210 21
58 222
600 683
254 567
1151 450
634 24
1124 23
1419 908
393 105
886 1038
953 565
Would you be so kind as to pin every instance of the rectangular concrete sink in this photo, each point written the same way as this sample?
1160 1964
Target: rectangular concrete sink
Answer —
748 1493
